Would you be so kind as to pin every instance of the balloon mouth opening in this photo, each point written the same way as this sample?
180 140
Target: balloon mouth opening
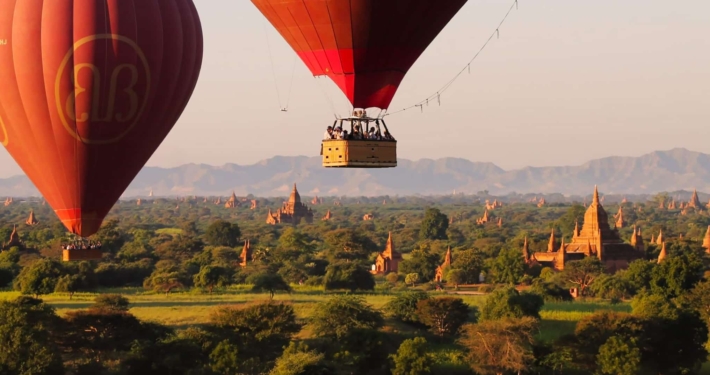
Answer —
369 112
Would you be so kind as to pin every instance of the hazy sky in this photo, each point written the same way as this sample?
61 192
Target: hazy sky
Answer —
567 81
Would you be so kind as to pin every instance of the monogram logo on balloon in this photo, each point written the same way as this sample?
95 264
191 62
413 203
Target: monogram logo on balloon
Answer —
103 100
4 140
3 42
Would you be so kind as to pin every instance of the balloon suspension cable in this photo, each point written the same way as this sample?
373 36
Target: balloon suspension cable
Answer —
290 89
467 67
273 68
327 97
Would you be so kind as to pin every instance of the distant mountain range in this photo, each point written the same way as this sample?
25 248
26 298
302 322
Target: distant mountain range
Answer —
658 171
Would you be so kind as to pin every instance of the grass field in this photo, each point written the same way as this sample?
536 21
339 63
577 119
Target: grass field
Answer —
181 310
184 309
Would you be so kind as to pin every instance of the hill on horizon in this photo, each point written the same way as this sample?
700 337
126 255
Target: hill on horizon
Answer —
658 171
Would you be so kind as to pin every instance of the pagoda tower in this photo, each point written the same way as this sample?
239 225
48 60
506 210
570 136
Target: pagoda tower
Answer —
32 221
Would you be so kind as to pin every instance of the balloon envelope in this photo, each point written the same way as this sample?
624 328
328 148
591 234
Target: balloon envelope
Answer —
88 91
365 46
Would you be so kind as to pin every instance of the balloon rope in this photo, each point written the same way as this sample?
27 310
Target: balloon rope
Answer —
293 75
327 97
273 69
467 67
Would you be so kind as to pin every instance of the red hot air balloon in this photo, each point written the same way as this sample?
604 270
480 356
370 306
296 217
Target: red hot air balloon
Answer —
88 91
365 46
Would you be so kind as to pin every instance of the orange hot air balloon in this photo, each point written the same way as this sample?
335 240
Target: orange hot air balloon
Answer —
88 91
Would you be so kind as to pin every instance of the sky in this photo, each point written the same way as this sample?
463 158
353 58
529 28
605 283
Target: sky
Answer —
566 82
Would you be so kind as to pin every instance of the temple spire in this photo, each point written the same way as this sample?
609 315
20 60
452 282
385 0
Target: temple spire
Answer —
664 254
389 248
706 240
551 244
447 258
526 250
595 198
32 220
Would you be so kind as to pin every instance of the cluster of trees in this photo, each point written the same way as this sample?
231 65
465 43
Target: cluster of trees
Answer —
161 248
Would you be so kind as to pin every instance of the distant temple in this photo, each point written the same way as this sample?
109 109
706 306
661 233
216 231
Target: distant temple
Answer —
32 220
254 204
486 218
246 255
541 203
232 202
695 201
14 241
368 217
663 254
388 260
8 201
620 222
595 239
706 240
292 212
327 216
659 239
441 270
494 205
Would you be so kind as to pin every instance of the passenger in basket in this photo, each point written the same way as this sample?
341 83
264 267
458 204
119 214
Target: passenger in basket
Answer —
328 133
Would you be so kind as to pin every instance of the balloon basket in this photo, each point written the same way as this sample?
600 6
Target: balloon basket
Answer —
359 154
81 255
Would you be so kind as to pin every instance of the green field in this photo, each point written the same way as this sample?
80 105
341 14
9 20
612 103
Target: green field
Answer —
184 309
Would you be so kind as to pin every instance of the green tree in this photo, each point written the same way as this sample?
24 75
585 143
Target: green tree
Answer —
699 300
654 305
292 239
348 245
611 287
212 276
573 215
39 278
111 302
434 225
297 359
619 356
350 276
26 343
509 303
165 280
422 262
392 278
99 332
471 263
403 306
638 275
110 236
677 274
411 279
412 358
341 315
269 282
223 233
260 331
456 277
68 284
444 316
508 267
224 359
582 273
500 346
